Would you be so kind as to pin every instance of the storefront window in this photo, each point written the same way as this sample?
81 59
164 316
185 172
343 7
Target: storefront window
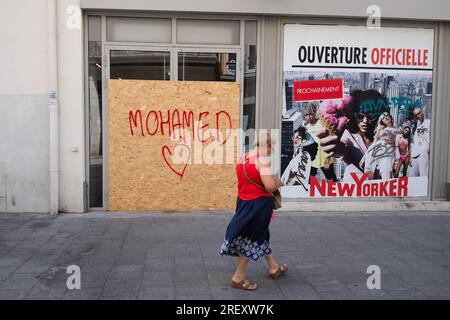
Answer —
249 79
208 31
95 112
200 66
123 29
139 65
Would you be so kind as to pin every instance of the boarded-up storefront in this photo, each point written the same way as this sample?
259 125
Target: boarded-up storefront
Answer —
168 145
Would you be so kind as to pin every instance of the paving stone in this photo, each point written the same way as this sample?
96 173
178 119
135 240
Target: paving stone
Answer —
12 294
47 255
334 285
97 266
410 294
338 295
8 261
5 272
219 278
154 252
118 298
42 291
83 294
433 291
91 280
192 286
193 296
20 281
224 293
130 257
121 288
8 245
392 283
126 271
159 264
190 277
34 266
300 292
374 294
157 293
263 293
158 278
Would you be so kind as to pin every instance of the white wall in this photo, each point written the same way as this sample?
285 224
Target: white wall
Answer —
24 113
23 36
24 121
71 119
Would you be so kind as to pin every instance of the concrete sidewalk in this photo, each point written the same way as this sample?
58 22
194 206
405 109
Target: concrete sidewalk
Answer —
174 256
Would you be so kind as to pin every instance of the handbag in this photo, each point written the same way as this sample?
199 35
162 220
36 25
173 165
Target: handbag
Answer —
276 194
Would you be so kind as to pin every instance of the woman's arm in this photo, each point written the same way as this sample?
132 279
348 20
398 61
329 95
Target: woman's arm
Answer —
333 146
271 183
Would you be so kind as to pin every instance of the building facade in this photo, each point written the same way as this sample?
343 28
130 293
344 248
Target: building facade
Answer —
59 56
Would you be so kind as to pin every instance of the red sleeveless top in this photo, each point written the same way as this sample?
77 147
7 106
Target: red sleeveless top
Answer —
246 189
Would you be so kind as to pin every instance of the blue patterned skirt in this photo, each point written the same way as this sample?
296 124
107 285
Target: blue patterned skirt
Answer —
248 231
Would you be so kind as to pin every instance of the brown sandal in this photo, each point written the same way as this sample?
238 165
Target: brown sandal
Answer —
244 285
281 270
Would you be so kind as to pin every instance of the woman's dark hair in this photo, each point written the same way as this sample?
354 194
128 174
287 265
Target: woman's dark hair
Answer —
409 135
371 103
310 148
301 132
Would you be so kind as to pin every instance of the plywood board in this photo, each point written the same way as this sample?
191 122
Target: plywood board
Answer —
155 165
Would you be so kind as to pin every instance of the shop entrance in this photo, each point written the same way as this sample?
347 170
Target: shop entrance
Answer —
169 64
140 46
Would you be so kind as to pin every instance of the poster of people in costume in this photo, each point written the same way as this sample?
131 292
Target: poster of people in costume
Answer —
357 107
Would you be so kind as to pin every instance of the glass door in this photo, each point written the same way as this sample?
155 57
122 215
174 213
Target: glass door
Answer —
154 63
123 63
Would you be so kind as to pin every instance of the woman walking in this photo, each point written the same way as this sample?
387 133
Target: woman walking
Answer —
247 235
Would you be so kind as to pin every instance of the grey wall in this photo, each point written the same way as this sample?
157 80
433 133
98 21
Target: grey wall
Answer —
270 73
404 9
441 115
24 150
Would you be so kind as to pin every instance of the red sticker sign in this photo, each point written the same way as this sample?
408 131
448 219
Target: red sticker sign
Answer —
327 89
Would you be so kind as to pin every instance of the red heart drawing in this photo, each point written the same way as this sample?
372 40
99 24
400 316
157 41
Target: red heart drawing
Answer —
166 148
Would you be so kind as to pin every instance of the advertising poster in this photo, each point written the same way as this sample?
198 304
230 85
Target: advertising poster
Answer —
356 111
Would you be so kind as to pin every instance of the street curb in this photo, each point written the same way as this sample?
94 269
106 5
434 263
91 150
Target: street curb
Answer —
365 206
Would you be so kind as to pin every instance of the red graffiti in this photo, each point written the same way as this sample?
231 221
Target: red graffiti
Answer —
166 149
153 122
218 125
133 118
